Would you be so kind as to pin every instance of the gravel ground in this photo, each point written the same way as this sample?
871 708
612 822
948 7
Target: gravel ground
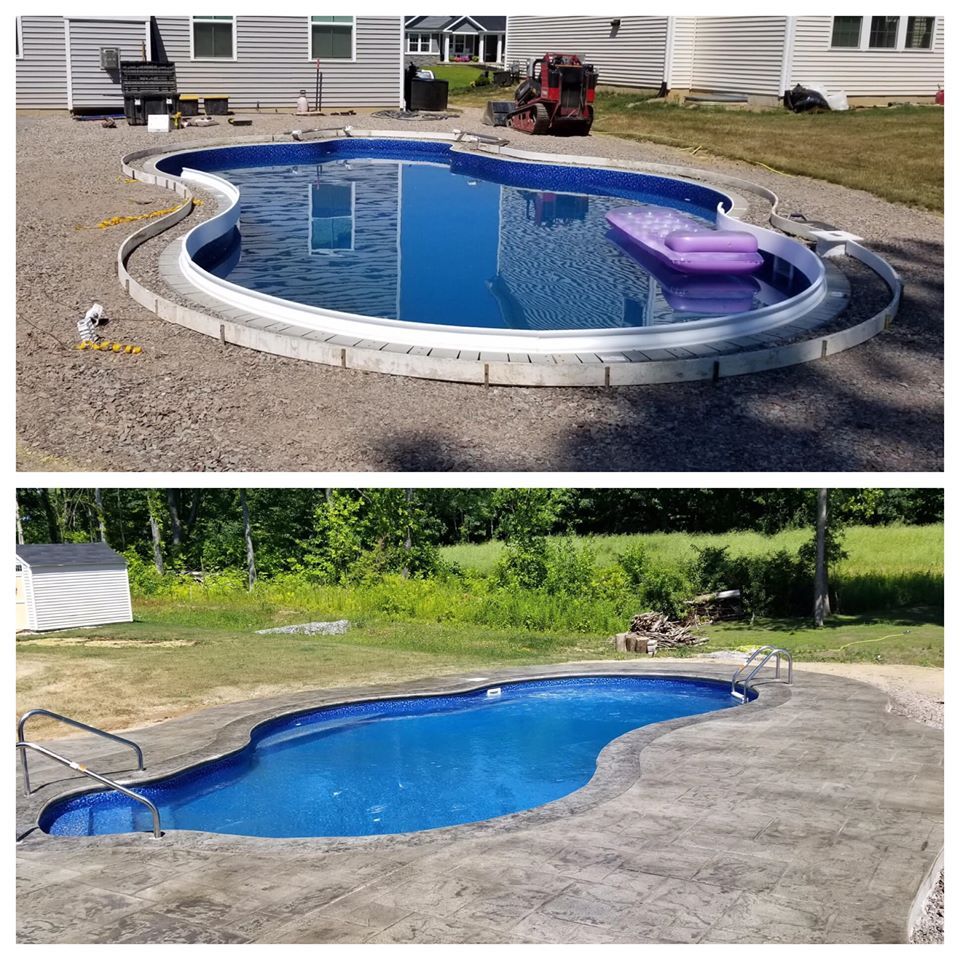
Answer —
188 404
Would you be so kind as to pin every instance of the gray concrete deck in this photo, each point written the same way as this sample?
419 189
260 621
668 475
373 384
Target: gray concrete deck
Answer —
811 815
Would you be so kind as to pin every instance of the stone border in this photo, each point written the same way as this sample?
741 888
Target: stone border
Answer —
617 764
779 347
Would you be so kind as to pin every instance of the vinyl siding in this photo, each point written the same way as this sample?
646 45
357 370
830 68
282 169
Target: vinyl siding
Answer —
864 73
42 70
273 64
92 85
633 57
77 596
738 54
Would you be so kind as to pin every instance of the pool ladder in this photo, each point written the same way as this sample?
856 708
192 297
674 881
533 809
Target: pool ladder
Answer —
24 745
768 651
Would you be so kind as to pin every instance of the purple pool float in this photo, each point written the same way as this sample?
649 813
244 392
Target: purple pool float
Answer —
684 244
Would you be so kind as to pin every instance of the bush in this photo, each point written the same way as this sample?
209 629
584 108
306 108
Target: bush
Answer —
570 570
664 589
634 563
144 577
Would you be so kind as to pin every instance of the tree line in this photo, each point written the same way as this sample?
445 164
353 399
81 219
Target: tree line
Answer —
270 531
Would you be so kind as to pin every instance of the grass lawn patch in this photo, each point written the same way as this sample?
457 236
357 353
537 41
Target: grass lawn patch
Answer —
125 675
912 636
892 152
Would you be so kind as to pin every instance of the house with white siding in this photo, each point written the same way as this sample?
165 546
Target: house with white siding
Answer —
873 59
71 585
449 39
256 61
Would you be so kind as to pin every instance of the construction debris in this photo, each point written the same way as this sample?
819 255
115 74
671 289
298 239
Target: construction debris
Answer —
650 631
725 605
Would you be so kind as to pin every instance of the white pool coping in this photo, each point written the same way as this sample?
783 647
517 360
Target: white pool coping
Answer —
704 349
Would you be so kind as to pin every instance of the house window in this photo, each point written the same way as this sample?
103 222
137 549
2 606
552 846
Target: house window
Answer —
331 216
464 45
418 43
883 32
920 33
846 31
19 40
331 38
213 38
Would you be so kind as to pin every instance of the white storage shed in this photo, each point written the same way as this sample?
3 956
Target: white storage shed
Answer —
71 585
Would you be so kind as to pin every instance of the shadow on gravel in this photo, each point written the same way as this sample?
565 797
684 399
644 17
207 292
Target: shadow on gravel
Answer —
807 418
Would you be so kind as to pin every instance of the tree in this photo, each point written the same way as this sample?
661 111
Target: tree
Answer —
248 540
821 588
152 507
101 517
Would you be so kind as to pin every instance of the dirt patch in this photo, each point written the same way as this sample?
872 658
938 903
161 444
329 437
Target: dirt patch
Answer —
187 403
95 642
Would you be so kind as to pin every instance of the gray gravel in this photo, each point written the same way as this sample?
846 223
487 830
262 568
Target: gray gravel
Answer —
187 403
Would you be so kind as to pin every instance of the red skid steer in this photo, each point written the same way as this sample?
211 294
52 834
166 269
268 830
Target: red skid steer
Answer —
555 98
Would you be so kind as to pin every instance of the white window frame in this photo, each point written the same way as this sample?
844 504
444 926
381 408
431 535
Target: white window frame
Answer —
419 48
899 47
19 38
315 252
353 47
903 38
193 56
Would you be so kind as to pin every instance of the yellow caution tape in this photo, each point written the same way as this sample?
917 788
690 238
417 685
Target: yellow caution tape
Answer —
109 346
113 221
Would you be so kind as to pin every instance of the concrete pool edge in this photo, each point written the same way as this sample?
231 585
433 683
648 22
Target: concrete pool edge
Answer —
796 341
823 710
617 763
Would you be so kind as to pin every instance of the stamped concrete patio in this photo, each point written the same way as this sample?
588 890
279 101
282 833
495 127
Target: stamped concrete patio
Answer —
809 815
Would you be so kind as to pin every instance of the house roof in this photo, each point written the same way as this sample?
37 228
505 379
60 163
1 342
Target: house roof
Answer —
440 24
69 555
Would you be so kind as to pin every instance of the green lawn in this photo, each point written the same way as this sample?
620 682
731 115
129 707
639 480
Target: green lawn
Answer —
871 550
893 152
157 668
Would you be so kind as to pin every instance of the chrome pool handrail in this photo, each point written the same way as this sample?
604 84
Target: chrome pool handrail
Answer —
40 712
24 745
771 651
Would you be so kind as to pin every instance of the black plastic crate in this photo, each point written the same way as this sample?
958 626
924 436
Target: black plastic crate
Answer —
216 105
148 69
147 77
428 94
189 105
149 89
137 109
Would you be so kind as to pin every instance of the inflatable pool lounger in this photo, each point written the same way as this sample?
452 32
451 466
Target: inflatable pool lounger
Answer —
684 244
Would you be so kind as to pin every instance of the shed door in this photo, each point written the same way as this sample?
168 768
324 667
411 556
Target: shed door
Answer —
93 87
21 603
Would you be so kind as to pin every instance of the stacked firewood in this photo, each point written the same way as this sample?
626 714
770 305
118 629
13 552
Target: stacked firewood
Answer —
649 631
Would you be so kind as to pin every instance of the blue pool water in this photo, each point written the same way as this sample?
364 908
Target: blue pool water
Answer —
411 231
394 766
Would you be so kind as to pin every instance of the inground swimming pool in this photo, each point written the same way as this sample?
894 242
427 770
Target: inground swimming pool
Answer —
401 765
425 244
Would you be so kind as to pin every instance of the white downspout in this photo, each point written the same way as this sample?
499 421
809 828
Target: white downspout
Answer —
789 38
66 47
668 52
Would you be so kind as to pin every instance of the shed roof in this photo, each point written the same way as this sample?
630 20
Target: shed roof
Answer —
69 555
